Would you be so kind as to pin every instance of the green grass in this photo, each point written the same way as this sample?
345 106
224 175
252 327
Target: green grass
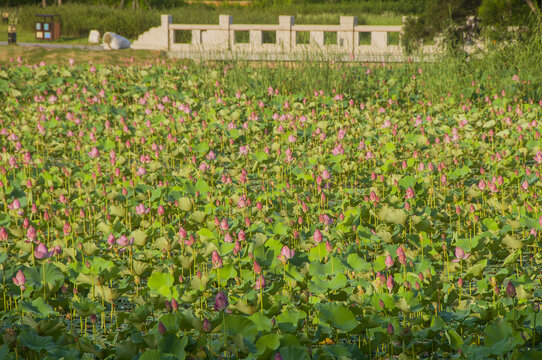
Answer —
77 20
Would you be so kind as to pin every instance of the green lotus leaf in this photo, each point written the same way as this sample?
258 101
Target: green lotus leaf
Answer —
268 342
338 316
241 325
477 269
39 308
139 236
262 322
33 341
117 210
293 352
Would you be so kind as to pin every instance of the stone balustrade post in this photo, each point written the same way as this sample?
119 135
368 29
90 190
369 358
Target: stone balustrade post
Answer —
317 38
165 21
284 35
256 38
225 21
346 37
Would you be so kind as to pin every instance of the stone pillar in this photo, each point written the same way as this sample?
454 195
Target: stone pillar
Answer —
346 37
225 21
379 39
284 35
317 38
256 38
196 37
166 39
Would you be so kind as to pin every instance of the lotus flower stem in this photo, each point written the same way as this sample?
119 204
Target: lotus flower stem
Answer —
261 299
224 330
4 290
44 283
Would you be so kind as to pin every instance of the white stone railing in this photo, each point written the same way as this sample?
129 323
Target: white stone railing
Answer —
219 41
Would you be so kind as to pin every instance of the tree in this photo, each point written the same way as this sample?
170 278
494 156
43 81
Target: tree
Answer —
460 22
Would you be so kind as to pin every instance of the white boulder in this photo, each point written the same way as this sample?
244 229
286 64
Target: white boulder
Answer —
112 41
94 37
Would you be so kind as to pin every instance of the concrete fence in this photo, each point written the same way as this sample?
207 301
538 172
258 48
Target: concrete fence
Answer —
285 41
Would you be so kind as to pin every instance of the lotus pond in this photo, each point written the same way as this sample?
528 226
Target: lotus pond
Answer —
156 212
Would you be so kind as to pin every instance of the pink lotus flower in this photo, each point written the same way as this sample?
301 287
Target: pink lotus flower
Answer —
94 153
4 234
525 185
42 252
161 210
67 229
286 254
460 255
19 279
31 233
317 236
260 283
326 175
122 240
211 155
216 259
389 261
243 150
409 193
141 210
390 283
538 157
228 238
111 239
15 205
224 225
182 233
292 138
141 171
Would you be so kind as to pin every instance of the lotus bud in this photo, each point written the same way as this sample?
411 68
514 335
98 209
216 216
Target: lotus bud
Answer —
221 301
161 328
381 304
460 283
390 329
93 318
257 268
390 283
389 261
402 259
4 234
510 289
278 356
168 306
206 325
317 236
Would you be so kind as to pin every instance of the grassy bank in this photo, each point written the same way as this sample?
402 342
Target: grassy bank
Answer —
78 20
454 77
